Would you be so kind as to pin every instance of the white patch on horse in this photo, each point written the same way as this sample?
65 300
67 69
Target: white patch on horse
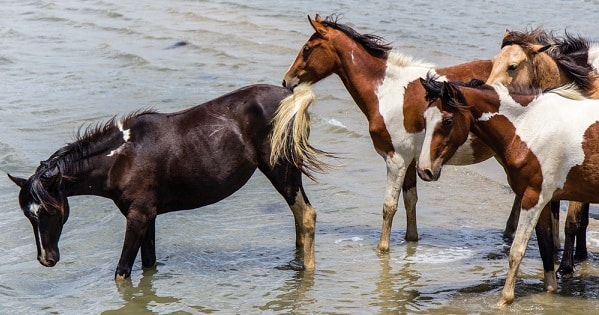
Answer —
126 137
433 117
486 116
34 209
401 70
559 145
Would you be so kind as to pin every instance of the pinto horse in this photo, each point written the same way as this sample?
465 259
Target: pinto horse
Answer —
152 163
544 157
538 59
384 84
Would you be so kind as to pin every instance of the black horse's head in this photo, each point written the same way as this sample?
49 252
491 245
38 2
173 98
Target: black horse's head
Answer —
46 206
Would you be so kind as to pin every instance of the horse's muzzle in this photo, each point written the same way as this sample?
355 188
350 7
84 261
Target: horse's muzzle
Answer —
49 260
428 174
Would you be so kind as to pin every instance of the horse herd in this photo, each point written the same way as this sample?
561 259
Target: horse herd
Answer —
534 112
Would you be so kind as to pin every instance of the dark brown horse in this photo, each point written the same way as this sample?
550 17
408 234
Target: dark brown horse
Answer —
544 158
152 163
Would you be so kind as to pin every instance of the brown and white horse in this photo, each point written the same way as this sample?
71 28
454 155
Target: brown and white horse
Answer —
384 84
548 145
538 59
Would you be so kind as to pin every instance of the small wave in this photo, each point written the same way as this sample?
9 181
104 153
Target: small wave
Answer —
129 59
439 256
350 239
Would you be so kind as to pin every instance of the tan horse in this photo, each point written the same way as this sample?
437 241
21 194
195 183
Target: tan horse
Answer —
537 59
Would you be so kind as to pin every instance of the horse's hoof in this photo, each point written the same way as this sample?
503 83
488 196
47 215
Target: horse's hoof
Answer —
297 265
563 273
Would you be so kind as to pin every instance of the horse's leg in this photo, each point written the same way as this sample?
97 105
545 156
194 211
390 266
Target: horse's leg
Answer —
148 246
572 229
581 237
544 230
512 221
410 198
396 170
555 222
137 224
526 224
287 179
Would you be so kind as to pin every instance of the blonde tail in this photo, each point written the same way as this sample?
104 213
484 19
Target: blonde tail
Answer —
291 130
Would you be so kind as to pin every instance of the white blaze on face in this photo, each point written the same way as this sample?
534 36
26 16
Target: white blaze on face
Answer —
34 209
126 136
433 117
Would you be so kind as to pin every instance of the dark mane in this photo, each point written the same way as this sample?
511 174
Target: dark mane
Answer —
536 36
94 140
436 89
570 44
374 44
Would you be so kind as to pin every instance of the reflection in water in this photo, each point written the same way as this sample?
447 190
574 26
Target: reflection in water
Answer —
292 295
395 292
141 298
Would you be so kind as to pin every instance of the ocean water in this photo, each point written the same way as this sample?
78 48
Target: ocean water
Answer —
67 64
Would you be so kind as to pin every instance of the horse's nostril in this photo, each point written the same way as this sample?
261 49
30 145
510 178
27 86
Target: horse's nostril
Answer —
428 173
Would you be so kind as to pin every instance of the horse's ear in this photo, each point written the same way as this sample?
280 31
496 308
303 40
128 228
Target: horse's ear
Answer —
317 25
539 48
17 180
448 90
542 49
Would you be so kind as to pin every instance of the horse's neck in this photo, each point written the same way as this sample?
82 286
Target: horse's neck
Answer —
499 132
86 176
361 73
547 73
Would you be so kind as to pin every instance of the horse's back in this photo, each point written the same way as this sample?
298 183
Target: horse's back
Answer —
200 155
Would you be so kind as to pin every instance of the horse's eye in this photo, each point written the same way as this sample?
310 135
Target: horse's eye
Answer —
447 122
512 67
307 49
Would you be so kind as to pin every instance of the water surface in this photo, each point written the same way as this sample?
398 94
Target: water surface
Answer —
65 64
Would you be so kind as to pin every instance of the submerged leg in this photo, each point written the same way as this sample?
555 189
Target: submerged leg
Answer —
544 231
148 246
572 229
287 179
555 223
138 218
581 237
410 198
396 170
306 229
526 224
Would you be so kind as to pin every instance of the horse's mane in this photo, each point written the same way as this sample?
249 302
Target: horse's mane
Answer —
92 141
571 43
435 89
374 44
536 36
401 60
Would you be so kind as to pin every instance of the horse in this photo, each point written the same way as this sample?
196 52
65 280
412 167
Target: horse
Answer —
544 158
538 59
150 163
384 85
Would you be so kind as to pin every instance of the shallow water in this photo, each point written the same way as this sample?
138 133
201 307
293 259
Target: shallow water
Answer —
64 64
